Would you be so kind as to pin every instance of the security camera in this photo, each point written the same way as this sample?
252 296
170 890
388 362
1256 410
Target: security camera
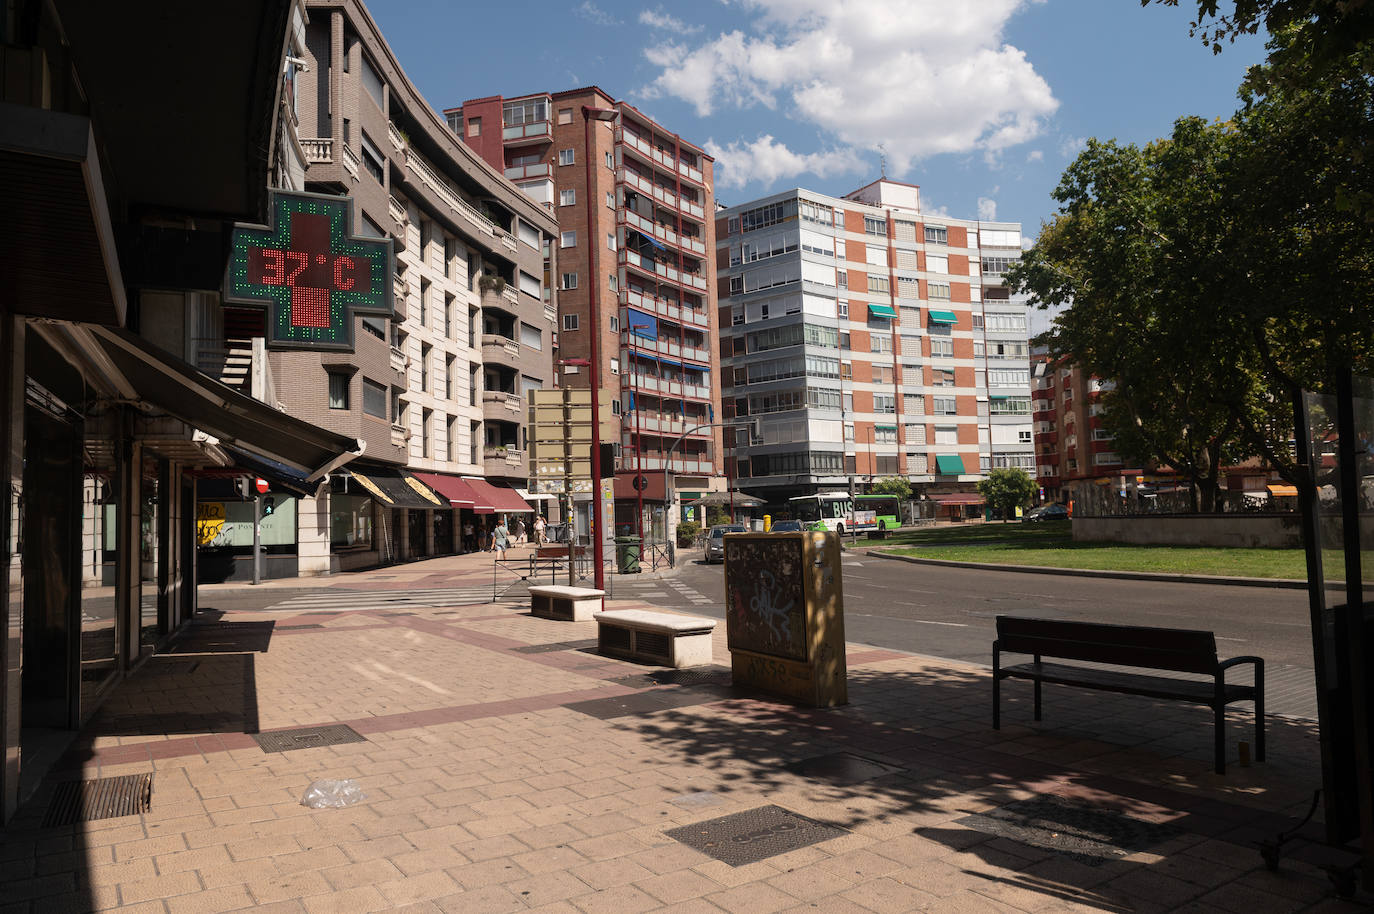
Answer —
299 63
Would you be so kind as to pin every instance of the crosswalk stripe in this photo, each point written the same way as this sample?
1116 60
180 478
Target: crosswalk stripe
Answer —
385 599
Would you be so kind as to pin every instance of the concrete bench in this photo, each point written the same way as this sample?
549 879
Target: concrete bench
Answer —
664 638
567 604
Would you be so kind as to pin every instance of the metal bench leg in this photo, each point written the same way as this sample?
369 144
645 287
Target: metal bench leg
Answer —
996 687
1037 699
1219 711
1259 711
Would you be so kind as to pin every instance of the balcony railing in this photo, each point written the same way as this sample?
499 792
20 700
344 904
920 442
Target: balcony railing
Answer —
651 384
532 130
350 161
501 455
667 347
394 134
444 191
510 401
528 171
500 345
662 270
318 150
659 156
693 317
661 194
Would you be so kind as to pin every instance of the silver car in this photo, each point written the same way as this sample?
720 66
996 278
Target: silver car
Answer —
715 541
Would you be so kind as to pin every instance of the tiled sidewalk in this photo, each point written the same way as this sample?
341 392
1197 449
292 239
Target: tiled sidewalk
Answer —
509 768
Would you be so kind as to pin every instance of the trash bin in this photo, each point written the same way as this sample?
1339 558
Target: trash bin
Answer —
627 554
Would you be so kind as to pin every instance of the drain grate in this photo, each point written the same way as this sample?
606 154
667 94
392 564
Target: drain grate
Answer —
1088 834
104 798
754 835
841 768
307 738
556 646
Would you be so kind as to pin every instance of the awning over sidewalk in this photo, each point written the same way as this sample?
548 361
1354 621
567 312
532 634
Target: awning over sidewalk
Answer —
279 475
497 499
941 317
949 464
395 487
458 492
235 419
957 498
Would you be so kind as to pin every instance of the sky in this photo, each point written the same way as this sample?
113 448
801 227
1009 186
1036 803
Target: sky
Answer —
982 103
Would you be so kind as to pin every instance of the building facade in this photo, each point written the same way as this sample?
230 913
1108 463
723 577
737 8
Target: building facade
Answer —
635 257
439 387
869 339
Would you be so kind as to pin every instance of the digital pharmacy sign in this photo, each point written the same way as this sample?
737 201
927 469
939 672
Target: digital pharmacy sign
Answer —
310 272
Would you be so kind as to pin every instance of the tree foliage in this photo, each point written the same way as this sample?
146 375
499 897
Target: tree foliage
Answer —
1216 273
1007 489
1318 32
893 485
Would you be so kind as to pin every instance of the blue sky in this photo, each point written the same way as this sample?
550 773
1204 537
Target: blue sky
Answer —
981 102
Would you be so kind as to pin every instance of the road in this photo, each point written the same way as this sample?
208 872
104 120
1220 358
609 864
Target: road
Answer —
949 612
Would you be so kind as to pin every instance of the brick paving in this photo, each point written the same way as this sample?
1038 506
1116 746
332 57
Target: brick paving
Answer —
501 779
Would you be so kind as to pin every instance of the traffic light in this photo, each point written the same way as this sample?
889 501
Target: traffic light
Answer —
245 487
268 505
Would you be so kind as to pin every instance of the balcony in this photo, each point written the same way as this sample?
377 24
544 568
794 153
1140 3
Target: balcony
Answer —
677 464
647 187
426 175
688 317
318 150
669 387
398 361
660 157
503 400
663 233
519 172
350 161
398 140
661 270
520 133
666 347
503 461
500 350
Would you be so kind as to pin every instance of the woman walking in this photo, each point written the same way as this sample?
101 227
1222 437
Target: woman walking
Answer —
539 529
500 541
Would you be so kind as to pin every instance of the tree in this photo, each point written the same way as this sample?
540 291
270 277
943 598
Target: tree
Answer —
1319 32
1007 489
893 485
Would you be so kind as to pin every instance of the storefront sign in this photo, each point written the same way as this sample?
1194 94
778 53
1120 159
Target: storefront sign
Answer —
310 272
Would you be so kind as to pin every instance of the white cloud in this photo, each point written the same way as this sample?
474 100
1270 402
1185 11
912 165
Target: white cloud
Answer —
987 209
1035 155
1071 146
767 160
590 11
659 19
919 77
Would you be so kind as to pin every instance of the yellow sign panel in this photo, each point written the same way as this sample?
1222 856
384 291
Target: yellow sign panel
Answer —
209 521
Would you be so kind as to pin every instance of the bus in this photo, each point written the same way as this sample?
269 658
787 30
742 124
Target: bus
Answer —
887 510
832 511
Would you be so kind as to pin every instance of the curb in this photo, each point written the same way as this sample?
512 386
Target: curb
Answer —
1285 583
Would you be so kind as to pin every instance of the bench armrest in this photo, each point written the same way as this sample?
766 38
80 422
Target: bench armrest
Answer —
1234 661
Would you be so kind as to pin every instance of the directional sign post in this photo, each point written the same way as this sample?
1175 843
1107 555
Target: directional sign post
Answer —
561 441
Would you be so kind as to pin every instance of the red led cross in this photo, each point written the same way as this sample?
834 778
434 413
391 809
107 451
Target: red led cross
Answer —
309 270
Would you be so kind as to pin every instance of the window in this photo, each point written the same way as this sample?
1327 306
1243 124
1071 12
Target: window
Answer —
424 368
874 225
448 377
946 434
732 225
908 288
610 199
941 377
615 366
813 212
905 231
1009 406
1006 323
1023 437
936 234
565 115
770 214
374 399
878 283
884 434
1008 377
373 160
570 321
1106 458
338 391
567 157
474 126
879 342
610 161
944 406
567 240
943 348
998 265
569 281
567 198
842 308
937 263
615 324
425 445
610 240
884 403
1101 434
937 291
977 322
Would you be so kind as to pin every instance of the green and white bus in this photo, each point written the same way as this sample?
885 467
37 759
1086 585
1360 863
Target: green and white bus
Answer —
887 510
832 511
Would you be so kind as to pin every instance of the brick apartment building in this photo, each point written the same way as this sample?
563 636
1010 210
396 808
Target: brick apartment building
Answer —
634 204
871 339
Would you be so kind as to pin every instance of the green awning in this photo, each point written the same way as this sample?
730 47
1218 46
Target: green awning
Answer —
942 317
949 464
875 310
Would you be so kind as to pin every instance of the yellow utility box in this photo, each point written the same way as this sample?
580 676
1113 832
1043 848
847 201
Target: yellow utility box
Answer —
784 615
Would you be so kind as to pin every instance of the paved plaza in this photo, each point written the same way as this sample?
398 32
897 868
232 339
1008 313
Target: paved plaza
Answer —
508 767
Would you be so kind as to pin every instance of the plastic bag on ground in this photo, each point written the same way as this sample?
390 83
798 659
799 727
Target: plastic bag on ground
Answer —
328 794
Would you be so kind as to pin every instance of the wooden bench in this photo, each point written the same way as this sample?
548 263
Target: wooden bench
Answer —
566 604
665 638
1176 650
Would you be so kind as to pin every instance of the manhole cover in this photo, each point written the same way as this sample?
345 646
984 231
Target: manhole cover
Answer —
556 646
1087 834
754 835
105 798
841 768
307 738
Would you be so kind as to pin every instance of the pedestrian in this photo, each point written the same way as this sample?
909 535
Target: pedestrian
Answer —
539 529
519 531
469 537
500 541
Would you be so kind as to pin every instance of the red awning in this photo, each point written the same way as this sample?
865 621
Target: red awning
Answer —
458 492
496 498
957 498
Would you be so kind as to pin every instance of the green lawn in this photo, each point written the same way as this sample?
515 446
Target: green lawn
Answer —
1051 545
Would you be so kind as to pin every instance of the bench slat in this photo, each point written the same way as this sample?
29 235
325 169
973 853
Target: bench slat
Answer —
1176 649
1128 683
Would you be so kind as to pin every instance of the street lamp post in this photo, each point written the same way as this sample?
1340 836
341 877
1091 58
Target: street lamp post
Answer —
668 459
639 440
590 114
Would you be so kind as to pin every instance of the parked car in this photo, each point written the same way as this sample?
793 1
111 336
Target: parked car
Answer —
715 541
1045 512
787 526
